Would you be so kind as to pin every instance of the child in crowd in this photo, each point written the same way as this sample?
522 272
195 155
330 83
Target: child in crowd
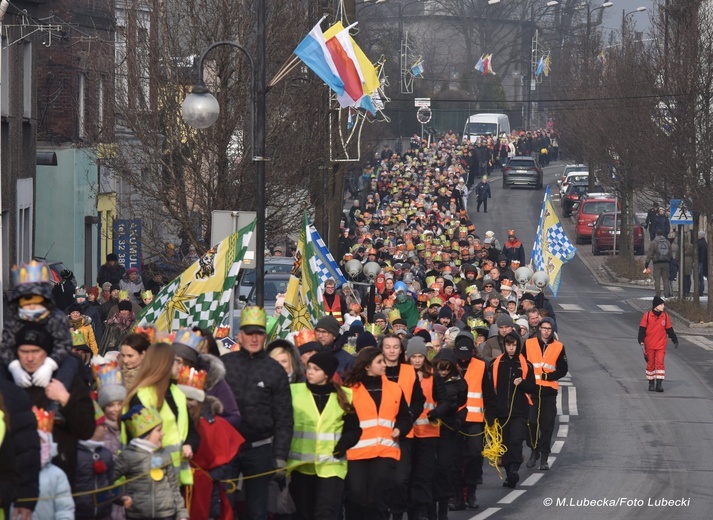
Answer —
152 487
95 466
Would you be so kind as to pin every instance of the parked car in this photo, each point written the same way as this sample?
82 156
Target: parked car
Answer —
580 177
522 171
56 267
246 278
571 168
603 234
572 197
590 207
275 283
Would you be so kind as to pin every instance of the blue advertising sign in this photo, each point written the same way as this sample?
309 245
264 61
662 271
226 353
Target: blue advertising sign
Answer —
127 242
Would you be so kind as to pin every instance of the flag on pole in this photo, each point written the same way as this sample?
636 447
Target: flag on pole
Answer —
602 58
417 69
488 65
313 52
540 66
303 301
199 297
479 65
552 248
547 65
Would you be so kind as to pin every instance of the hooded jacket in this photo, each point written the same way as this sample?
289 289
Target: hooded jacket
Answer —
509 369
88 479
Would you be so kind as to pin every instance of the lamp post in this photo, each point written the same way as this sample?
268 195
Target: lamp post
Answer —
3 9
201 110
624 14
589 20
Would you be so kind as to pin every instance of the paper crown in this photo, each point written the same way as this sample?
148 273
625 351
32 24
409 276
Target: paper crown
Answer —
123 295
140 420
80 292
475 324
145 295
107 374
373 328
188 338
471 289
394 315
192 383
78 338
99 417
304 336
32 272
424 324
45 419
506 284
435 301
148 331
253 316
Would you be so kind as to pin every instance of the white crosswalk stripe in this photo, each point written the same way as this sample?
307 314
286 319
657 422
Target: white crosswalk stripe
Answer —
569 307
610 308
701 341
614 288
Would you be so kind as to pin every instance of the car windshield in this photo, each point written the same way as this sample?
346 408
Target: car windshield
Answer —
578 178
570 169
273 287
249 276
475 128
597 207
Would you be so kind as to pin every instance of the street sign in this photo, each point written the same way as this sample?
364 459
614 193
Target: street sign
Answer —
680 213
223 224
422 102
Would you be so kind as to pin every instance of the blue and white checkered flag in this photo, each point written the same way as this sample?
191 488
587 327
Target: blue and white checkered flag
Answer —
323 262
558 244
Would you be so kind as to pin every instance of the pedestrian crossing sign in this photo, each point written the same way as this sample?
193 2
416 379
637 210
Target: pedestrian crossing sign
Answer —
680 212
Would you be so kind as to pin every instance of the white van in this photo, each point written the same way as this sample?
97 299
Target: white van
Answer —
486 124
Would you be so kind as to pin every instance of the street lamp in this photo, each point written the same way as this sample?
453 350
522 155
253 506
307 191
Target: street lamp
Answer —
624 14
200 110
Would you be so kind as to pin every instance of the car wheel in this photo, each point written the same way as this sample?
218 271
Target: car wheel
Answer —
639 252
595 251
505 185
566 213
578 240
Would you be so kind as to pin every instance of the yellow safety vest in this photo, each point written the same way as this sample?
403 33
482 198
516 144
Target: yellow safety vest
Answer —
175 429
315 435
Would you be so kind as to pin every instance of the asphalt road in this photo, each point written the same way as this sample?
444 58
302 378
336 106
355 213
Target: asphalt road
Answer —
620 451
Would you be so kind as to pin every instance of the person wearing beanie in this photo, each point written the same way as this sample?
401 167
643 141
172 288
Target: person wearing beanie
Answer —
524 327
494 345
548 356
320 408
307 350
328 334
655 325
364 340
445 316
512 378
112 271
398 371
381 321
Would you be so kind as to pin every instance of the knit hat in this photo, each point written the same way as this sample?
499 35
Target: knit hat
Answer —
657 301
379 316
504 320
94 291
446 354
366 339
357 327
445 312
416 345
106 286
328 323
310 346
73 308
35 334
327 361
522 322
124 305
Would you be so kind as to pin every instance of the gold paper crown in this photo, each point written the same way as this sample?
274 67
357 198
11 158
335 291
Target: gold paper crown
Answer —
78 338
189 376
188 338
373 328
107 374
32 272
146 294
45 419
435 301
304 336
254 316
394 315
141 419
123 295
506 283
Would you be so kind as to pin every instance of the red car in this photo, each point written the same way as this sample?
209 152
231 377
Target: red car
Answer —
603 234
590 208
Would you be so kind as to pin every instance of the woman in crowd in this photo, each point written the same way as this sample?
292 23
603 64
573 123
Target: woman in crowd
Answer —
132 352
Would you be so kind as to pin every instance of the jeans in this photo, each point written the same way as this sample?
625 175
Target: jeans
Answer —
701 279
254 461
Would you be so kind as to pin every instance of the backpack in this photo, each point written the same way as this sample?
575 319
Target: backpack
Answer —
663 250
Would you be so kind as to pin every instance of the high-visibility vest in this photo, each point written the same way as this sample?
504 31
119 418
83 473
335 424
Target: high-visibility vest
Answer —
543 362
376 426
335 309
422 427
496 366
175 429
316 434
474 379
407 378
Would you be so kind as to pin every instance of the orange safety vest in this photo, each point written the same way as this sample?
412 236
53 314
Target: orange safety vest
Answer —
543 362
422 427
376 426
474 378
523 366
335 309
406 380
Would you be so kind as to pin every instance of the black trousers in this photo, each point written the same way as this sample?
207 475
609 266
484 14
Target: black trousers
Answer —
254 461
445 461
514 434
398 497
423 462
468 467
368 484
316 498
547 410
484 202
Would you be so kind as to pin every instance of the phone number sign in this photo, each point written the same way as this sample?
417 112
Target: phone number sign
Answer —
127 242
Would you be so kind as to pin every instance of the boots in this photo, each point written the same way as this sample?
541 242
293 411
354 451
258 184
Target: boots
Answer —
544 466
513 477
651 385
470 500
659 385
443 509
534 456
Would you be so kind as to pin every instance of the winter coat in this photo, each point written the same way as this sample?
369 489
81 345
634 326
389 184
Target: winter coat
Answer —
482 191
262 392
216 386
492 348
8 469
91 310
87 479
134 288
510 369
86 329
449 395
78 422
112 275
63 294
151 498
56 500
25 441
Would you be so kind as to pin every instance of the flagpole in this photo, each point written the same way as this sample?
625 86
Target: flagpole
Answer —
539 227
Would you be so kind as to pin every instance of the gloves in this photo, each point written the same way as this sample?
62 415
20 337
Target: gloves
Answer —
43 375
432 416
281 466
22 378
544 376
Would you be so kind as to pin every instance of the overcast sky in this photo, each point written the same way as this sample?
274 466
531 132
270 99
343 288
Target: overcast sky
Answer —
612 15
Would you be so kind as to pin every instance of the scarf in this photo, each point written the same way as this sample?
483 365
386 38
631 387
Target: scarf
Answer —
75 324
124 322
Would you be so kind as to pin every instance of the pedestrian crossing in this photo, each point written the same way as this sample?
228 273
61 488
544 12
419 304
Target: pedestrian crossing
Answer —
700 341
574 307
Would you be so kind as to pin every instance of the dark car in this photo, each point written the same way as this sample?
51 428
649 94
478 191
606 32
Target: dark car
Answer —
573 196
522 171
276 282
603 234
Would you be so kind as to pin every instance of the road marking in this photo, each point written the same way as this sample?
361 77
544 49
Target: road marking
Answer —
559 404
532 479
700 341
563 430
610 308
551 460
569 307
485 514
565 383
557 446
613 288
564 418
512 496
572 400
